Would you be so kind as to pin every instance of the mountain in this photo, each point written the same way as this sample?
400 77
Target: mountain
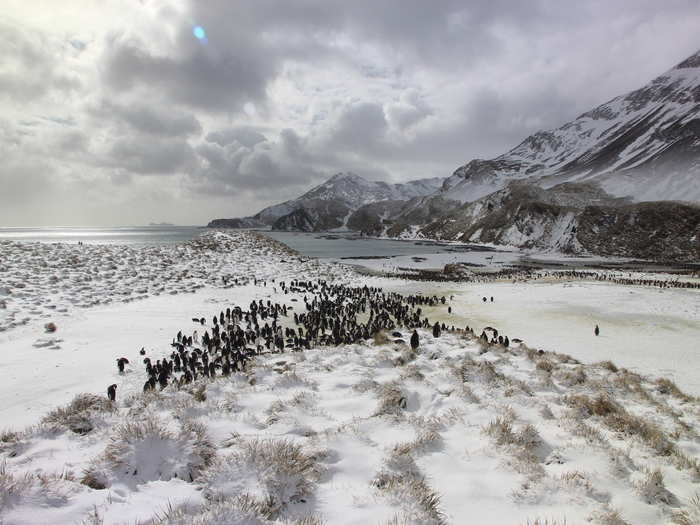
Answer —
574 218
329 205
596 184
645 145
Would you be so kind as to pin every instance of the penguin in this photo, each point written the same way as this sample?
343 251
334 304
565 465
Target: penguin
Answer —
414 340
112 392
597 330
120 364
436 330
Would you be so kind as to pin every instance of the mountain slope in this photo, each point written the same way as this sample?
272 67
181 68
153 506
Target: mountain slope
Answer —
574 218
645 144
343 193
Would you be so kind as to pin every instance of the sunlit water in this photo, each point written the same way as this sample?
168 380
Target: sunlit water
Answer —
133 235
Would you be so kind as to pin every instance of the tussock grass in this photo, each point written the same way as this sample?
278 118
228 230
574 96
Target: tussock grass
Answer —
240 509
10 436
585 406
392 400
544 365
689 515
34 488
668 387
381 338
146 450
631 425
653 490
412 490
365 385
570 378
607 365
609 517
80 415
273 472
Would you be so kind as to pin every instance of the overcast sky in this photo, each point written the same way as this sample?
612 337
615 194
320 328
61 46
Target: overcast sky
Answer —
115 113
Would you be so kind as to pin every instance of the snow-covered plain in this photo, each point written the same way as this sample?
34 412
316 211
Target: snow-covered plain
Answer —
367 433
646 329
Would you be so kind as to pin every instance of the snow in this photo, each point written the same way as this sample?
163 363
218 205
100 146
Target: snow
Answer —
487 430
649 330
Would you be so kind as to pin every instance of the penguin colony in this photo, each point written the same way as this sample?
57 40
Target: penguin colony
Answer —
334 314
522 275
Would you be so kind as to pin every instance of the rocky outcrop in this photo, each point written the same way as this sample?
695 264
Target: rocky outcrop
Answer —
244 222
315 215
373 219
563 219
666 231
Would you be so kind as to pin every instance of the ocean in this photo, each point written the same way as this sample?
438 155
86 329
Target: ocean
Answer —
132 235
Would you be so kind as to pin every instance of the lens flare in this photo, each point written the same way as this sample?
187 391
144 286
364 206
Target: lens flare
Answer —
199 33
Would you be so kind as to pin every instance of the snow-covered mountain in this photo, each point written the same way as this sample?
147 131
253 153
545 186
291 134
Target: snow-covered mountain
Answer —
641 146
330 204
645 144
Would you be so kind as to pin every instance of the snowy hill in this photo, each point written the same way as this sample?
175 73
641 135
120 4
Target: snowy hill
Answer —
645 144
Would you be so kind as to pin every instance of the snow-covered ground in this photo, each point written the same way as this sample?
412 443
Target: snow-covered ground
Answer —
365 433
369 434
46 281
646 329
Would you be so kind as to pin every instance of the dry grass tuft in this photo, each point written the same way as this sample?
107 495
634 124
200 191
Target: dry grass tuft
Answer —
607 365
146 450
653 490
544 365
691 514
40 489
381 338
80 414
392 400
609 517
668 387
412 490
585 406
274 473
631 425
574 377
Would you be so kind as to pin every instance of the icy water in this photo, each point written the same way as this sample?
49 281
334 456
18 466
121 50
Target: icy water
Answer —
133 235
351 246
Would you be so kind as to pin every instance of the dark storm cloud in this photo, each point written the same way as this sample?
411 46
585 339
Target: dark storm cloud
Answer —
222 78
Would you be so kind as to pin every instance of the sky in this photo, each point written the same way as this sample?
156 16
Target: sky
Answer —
125 112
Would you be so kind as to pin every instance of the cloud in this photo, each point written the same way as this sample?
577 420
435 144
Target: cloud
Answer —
200 77
103 110
32 65
151 119
245 135
152 156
